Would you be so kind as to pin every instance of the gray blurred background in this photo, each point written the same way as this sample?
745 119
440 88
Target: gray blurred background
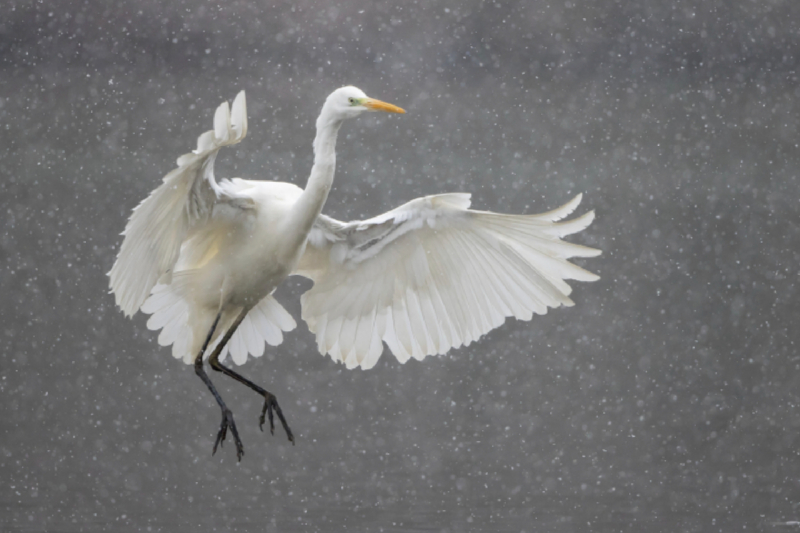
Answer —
665 400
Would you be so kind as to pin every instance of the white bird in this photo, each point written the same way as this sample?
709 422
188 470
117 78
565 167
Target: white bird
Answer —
203 259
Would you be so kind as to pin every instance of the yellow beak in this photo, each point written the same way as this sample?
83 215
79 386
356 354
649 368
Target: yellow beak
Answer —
377 105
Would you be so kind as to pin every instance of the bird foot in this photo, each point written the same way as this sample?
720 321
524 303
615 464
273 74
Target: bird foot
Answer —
227 422
270 405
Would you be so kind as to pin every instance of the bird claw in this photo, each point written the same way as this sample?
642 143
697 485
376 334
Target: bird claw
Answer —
270 405
227 422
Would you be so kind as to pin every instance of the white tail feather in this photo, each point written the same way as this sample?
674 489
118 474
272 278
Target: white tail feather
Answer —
170 310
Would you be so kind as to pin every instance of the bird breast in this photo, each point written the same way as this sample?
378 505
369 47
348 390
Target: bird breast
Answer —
254 258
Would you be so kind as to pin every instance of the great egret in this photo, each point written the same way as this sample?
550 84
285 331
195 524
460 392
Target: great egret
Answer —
203 259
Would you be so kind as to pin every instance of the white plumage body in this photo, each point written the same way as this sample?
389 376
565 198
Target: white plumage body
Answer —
243 274
217 272
426 277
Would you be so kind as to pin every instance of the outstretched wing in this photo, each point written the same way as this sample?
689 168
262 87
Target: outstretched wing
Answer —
433 275
184 201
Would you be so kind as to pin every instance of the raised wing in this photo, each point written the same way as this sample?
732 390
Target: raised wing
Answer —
433 275
185 200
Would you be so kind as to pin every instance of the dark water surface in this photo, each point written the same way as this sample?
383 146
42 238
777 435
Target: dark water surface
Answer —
665 400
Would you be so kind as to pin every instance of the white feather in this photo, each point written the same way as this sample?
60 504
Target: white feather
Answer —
433 275
160 223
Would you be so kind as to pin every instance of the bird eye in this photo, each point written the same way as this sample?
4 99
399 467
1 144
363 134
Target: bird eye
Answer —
351 100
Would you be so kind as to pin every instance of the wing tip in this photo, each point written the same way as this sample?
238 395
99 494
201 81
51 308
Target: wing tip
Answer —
561 212
239 116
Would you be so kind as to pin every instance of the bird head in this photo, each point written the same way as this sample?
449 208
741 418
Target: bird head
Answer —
349 102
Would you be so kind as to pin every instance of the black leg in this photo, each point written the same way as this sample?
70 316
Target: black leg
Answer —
227 415
270 401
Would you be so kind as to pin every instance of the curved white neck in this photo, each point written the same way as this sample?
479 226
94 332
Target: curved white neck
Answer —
311 201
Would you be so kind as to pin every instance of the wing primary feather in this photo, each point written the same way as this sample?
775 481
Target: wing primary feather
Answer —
456 300
431 319
475 317
392 339
488 302
443 315
560 212
447 333
419 329
516 270
365 330
547 293
495 309
402 327
507 287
